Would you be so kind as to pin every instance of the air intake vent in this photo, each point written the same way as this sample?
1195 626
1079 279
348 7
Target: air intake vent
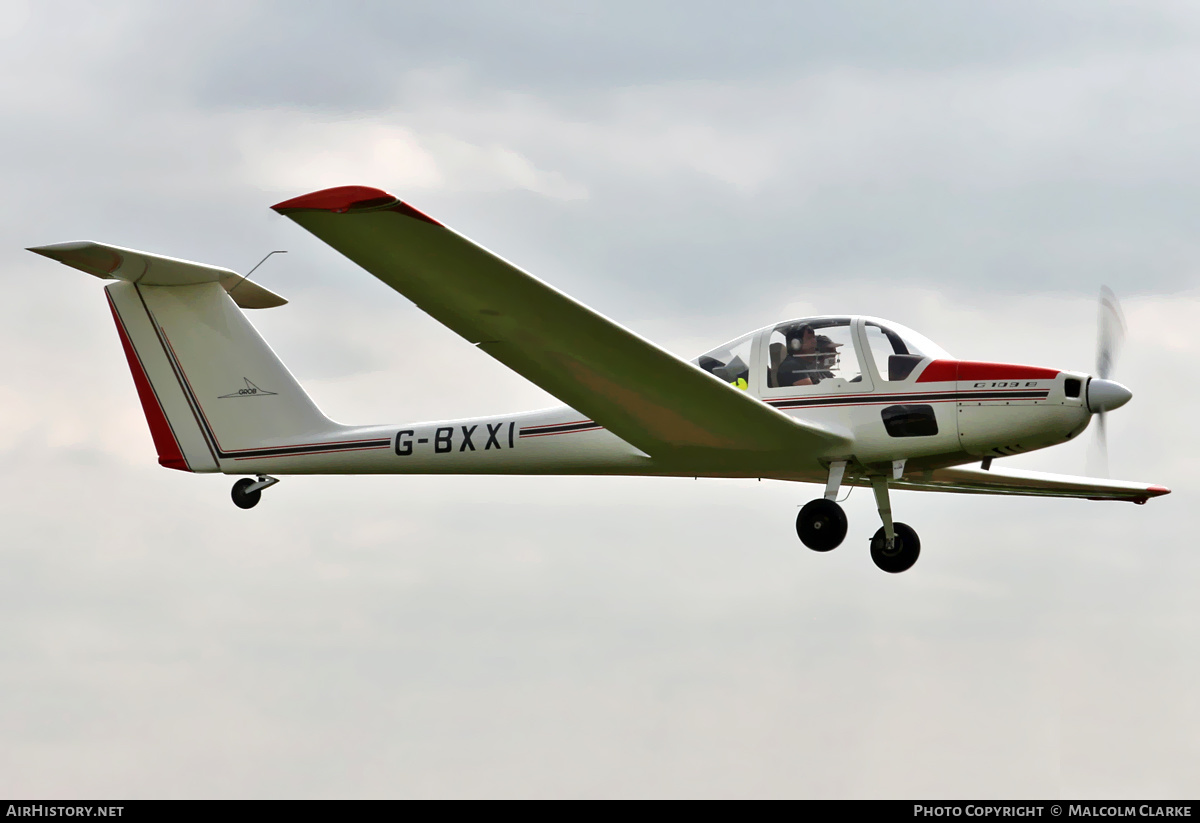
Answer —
910 421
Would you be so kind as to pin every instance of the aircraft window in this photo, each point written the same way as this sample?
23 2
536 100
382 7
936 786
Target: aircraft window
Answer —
898 351
730 362
807 352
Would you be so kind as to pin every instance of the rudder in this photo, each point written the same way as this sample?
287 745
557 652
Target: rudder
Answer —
182 445
212 389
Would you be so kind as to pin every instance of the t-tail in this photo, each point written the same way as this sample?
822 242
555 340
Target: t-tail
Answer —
215 396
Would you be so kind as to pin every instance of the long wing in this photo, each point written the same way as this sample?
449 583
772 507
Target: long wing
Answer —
1035 484
659 403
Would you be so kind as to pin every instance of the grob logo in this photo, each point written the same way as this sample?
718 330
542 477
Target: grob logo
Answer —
251 390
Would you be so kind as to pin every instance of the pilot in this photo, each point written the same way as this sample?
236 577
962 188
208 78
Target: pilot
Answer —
827 354
799 368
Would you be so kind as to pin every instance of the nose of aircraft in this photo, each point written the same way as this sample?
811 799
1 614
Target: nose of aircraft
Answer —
1106 395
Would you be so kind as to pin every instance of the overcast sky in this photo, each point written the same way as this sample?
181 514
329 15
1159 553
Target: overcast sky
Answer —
973 170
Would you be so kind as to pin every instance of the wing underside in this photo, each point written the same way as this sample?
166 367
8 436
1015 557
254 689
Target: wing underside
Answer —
972 480
663 405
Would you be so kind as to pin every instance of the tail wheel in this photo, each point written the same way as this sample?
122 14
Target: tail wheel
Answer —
242 498
901 554
821 525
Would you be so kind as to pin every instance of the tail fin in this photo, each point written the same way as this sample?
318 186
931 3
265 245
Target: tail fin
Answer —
212 389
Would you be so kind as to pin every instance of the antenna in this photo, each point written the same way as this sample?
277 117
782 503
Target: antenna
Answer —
246 276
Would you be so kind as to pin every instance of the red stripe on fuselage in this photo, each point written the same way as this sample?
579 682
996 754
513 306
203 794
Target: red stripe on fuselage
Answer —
308 454
940 371
569 431
945 371
169 452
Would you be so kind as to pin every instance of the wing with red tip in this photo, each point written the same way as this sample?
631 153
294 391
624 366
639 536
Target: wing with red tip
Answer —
1034 484
643 394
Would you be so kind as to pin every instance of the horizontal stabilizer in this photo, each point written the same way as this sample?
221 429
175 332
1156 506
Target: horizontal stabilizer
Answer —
1029 483
145 269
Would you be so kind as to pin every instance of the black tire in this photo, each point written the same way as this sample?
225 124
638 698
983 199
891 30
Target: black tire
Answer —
243 499
905 550
821 525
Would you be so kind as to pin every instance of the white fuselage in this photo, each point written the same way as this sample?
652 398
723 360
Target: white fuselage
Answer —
971 419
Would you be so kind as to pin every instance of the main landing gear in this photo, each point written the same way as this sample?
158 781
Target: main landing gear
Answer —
895 547
821 524
246 492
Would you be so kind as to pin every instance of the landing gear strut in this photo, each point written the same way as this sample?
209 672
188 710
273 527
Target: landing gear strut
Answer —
821 524
895 547
246 492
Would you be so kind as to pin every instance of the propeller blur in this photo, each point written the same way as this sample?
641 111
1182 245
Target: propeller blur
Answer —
1104 395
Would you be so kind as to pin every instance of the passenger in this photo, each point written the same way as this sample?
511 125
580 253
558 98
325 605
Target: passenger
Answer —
736 373
799 368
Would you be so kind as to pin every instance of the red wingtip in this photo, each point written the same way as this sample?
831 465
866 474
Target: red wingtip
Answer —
340 199
347 198
1158 490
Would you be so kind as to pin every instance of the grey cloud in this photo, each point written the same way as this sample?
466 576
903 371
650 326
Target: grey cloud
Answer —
326 58
974 176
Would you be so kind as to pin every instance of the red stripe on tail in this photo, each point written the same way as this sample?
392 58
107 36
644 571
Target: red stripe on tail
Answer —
169 453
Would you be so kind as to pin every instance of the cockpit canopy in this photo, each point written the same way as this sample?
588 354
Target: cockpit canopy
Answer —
820 354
